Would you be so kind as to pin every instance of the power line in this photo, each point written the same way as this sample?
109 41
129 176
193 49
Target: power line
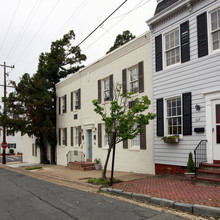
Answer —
28 20
101 23
131 10
111 27
61 28
10 24
43 23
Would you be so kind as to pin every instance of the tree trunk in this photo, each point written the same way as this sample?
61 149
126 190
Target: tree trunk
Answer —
106 162
43 150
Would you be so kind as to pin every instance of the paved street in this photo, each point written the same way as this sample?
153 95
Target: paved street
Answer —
24 197
11 159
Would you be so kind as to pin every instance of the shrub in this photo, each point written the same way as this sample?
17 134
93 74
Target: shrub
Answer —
11 151
104 182
190 164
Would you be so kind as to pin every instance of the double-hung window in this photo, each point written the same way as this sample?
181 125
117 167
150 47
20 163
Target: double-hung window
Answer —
64 104
106 89
105 137
76 99
133 79
172 47
76 135
174 116
135 142
215 29
64 136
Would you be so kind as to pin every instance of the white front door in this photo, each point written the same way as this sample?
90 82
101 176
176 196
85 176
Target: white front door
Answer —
216 130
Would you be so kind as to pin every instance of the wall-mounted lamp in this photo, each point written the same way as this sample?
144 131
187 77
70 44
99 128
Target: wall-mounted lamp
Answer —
197 107
94 129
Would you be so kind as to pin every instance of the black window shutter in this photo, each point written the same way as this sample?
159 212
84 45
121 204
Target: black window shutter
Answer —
71 133
79 130
125 144
59 105
141 76
202 35
143 143
64 111
71 101
111 87
124 81
187 114
59 136
99 135
158 53
160 118
65 131
79 98
185 47
131 104
99 91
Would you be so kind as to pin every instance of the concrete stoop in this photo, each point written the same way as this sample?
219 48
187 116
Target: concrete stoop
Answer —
201 210
84 166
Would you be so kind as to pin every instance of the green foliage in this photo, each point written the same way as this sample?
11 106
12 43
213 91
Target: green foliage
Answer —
121 39
33 168
103 182
97 161
31 108
170 139
11 151
190 164
130 120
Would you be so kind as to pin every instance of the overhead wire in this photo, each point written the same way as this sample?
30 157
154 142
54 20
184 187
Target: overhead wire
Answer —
26 23
102 23
41 26
66 24
112 26
131 10
10 24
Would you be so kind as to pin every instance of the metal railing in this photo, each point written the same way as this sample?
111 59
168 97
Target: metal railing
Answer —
75 156
200 154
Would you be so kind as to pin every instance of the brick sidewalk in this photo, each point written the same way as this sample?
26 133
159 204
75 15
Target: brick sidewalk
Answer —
175 188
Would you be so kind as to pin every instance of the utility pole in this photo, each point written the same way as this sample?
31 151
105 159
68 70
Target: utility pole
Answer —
4 110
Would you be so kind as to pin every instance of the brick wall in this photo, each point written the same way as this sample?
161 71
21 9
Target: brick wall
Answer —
169 169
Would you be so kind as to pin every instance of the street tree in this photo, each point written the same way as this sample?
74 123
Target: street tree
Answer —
121 122
121 39
34 97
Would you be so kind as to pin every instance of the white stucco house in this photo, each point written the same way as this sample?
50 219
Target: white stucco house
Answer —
186 81
81 131
14 140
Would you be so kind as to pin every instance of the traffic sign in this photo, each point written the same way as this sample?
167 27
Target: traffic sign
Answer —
4 145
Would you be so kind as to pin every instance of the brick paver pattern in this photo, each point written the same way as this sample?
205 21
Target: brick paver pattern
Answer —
175 188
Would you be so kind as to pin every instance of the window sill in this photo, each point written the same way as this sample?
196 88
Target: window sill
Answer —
171 66
137 149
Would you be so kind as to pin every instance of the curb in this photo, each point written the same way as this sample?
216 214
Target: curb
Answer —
205 211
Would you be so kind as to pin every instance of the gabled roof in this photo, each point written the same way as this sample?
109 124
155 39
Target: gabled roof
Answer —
164 4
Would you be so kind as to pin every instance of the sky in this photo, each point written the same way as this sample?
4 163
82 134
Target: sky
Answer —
29 26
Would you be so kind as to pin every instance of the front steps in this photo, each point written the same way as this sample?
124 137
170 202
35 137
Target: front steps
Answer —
208 174
84 166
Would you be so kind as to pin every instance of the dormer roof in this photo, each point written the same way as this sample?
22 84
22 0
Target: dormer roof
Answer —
163 5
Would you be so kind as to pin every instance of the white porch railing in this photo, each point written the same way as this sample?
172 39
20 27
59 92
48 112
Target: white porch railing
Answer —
75 156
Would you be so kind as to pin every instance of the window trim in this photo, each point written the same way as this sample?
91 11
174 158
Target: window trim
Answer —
135 81
166 117
209 23
165 51
105 90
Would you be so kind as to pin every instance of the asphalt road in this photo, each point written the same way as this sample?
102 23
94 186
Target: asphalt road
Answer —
11 159
27 198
